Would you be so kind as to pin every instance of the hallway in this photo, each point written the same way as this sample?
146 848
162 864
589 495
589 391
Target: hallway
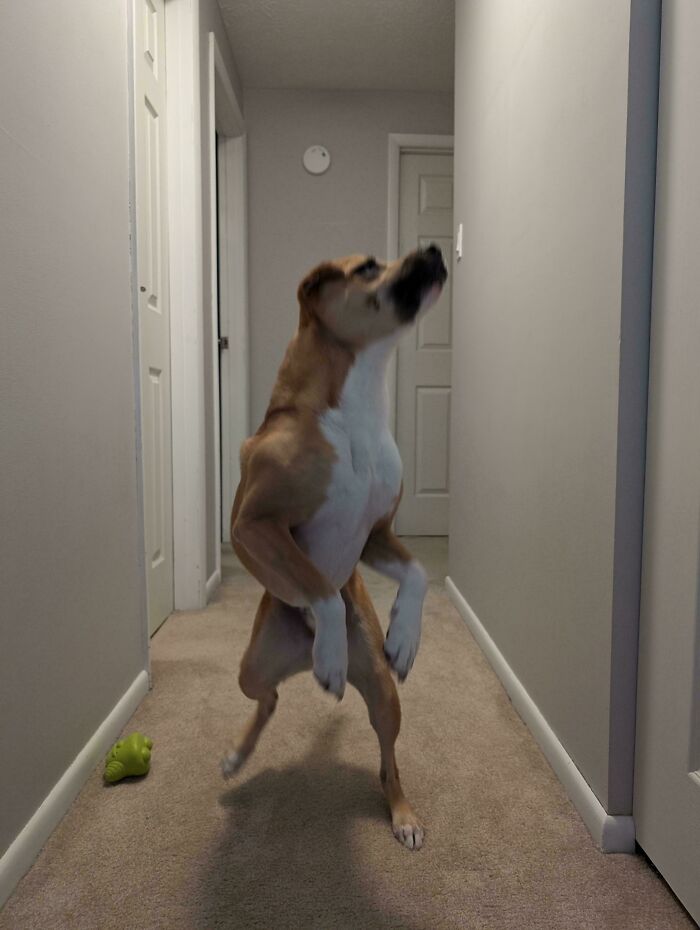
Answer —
301 839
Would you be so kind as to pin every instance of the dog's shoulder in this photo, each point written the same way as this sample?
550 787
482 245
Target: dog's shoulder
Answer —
287 464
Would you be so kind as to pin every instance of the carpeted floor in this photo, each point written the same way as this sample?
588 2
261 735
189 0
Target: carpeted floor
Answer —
302 839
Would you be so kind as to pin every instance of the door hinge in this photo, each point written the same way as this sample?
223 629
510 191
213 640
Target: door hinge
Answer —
223 342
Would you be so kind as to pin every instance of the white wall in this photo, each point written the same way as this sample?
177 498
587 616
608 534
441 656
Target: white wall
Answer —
554 172
71 584
296 219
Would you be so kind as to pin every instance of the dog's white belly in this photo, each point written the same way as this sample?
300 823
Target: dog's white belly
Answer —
365 482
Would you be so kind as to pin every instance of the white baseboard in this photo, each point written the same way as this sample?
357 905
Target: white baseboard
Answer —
26 847
610 833
213 584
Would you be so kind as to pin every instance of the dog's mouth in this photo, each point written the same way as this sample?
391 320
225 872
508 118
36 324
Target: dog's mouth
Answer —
422 272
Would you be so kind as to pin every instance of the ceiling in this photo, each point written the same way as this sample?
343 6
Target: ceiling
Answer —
343 44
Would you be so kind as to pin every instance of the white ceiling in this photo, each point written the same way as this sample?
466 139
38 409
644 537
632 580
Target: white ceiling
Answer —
343 44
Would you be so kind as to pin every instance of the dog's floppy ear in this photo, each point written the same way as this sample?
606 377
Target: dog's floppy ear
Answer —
314 281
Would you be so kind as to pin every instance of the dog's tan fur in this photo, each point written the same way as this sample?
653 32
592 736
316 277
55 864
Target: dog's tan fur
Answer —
286 470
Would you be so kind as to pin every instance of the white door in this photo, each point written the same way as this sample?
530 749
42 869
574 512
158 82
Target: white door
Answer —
154 314
667 765
425 353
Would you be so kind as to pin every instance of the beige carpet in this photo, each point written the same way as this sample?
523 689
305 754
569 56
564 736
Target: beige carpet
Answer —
302 839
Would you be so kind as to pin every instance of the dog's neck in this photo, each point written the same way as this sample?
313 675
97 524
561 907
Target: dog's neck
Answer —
365 393
320 373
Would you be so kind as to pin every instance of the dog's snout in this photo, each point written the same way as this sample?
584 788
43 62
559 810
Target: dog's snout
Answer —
420 271
433 253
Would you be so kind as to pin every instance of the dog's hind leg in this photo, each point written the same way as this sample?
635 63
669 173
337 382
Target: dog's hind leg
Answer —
280 646
369 672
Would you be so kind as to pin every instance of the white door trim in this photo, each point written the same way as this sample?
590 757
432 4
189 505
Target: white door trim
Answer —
400 142
190 392
226 119
186 312
224 107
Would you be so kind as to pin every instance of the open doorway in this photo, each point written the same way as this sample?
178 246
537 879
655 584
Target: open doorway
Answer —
232 318
228 376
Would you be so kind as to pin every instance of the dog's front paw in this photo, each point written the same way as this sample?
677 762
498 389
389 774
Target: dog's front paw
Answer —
403 636
330 668
330 650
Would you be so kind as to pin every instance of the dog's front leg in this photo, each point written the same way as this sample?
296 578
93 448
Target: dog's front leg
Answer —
278 563
385 553
330 649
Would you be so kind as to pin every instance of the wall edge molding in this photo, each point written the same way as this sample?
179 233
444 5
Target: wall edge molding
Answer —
213 583
24 849
612 834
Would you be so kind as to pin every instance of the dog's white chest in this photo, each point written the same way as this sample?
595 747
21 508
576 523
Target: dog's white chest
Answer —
366 476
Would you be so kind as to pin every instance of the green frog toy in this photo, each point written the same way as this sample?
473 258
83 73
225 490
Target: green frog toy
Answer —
128 756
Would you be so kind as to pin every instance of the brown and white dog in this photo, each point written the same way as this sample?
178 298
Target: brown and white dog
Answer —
320 483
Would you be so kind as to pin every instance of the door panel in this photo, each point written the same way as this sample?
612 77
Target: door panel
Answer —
432 446
154 315
425 352
667 784
155 462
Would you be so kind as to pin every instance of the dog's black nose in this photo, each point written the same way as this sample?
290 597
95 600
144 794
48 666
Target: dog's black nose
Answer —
434 256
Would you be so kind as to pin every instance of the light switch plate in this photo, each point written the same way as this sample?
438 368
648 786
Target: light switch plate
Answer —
458 247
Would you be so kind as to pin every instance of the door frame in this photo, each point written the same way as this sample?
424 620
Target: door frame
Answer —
229 286
233 309
190 390
398 143
136 350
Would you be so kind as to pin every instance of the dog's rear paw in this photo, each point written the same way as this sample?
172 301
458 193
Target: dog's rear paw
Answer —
409 832
231 764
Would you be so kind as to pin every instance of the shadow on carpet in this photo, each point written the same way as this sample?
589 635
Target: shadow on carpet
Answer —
287 857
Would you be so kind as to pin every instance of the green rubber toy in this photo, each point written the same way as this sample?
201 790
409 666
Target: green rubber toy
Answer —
128 756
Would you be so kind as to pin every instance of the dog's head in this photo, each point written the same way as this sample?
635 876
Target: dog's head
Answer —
360 299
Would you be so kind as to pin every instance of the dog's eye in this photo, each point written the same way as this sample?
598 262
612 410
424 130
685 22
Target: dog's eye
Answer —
367 269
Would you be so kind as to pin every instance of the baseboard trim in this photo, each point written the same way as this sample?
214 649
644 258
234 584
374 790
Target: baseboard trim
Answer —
21 854
212 584
611 833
